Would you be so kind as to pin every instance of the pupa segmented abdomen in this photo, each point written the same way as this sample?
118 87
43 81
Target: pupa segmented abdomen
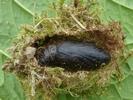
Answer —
73 55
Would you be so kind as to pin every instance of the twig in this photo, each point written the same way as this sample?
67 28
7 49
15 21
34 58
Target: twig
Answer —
62 29
42 21
38 76
75 19
32 83
43 78
38 23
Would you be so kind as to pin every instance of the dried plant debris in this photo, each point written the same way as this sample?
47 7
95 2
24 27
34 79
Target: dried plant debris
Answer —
73 27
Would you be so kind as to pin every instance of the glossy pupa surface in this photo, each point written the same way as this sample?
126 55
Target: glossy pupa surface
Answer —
73 55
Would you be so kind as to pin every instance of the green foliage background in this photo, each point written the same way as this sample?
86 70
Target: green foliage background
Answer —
14 13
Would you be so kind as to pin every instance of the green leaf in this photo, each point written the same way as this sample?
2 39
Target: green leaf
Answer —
125 69
2 59
114 11
11 16
125 3
125 88
130 62
38 6
68 97
5 54
110 94
11 89
1 77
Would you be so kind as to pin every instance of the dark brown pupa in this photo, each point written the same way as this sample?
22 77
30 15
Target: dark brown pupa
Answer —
72 55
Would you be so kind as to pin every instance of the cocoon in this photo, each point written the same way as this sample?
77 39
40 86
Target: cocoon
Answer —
72 55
